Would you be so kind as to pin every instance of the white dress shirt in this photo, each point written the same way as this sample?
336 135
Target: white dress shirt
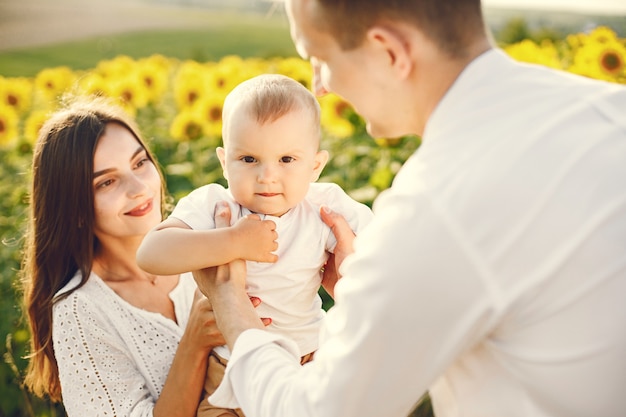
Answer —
493 274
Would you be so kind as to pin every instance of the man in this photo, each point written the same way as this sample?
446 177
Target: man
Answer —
494 273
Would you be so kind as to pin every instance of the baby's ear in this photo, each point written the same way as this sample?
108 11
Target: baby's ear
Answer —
221 155
321 158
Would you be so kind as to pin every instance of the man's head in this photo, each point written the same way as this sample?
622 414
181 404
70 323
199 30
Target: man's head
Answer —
271 133
392 60
450 24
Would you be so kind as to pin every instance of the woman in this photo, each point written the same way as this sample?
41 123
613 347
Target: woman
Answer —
107 337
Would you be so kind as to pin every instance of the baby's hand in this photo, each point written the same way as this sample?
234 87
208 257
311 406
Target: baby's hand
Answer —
256 238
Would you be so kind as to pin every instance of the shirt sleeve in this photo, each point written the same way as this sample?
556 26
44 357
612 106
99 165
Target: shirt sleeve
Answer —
412 298
98 374
197 209
276 346
357 214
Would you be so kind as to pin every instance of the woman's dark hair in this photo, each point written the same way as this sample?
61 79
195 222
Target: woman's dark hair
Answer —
60 240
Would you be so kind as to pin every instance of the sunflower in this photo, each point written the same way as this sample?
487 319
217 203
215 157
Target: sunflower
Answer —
602 34
130 91
612 61
33 124
190 84
603 62
296 68
154 74
9 121
600 55
93 84
118 66
335 116
228 72
52 82
210 107
16 92
528 51
575 40
187 125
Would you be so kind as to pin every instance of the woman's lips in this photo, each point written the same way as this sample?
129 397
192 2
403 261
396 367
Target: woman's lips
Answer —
142 209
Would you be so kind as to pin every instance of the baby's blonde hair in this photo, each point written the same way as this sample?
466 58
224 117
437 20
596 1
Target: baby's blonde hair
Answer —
268 97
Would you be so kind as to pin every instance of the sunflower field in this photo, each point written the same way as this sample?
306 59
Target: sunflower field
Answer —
178 105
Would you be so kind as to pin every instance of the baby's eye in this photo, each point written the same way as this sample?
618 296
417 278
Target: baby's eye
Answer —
248 159
287 159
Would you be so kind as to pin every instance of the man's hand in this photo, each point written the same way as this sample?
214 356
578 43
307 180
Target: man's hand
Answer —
345 238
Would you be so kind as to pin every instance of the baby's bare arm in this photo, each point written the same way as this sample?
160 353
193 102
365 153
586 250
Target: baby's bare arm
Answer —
173 247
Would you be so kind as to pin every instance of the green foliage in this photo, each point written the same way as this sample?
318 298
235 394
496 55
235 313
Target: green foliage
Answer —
14 401
224 34
514 31
518 29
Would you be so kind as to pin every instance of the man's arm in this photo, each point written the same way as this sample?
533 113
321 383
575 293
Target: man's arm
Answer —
173 247
225 287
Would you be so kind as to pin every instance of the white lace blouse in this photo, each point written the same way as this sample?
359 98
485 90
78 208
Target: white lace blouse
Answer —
113 357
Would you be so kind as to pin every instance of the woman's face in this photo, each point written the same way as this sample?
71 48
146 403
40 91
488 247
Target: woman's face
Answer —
127 187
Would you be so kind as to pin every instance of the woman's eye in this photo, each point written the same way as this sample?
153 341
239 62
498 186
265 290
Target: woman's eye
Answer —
248 159
287 159
142 162
104 184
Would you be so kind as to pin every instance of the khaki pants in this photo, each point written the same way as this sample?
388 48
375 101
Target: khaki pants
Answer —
214 375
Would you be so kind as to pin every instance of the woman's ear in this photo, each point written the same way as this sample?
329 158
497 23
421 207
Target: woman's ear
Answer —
395 46
321 158
221 155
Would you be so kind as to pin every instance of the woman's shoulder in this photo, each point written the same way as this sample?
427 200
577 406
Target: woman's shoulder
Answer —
77 304
92 296
70 285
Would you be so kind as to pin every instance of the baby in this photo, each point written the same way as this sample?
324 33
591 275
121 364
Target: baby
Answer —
271 160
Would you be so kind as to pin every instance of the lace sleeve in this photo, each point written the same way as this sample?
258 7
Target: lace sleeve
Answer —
97 371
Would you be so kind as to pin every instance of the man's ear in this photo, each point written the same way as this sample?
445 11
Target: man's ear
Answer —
321 158
221 155
395 46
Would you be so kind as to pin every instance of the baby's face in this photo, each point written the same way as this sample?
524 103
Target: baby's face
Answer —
269 167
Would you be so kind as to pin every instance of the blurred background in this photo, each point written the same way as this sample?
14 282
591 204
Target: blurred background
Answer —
38 23
170 64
